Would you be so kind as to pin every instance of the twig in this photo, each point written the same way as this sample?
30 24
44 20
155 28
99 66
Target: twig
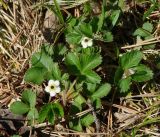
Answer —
12 119
69 92
77 133
110 112
144 43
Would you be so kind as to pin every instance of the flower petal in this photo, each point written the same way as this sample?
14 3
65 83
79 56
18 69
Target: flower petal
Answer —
90 42
52 94
84 46
56 83
58 89
48 89
50 82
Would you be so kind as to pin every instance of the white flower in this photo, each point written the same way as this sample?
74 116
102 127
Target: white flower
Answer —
53 87
86 42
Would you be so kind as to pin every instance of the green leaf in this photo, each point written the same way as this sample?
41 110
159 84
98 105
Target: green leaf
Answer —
56 73
115 16
149 46
80 99
65 77
124 84
32 114
19 108
35 75
122 4
118 75
86 29
97 103
149 11
73 38
143 73
60 49
58 12
89 62
131 59
75 108
51 116
75 125
16 136
141 32
48 49
148 26
102 91
58 109
91 87
108 37
44 113
72 62
30 97
94 23
102 16
92 77
87 120
42 60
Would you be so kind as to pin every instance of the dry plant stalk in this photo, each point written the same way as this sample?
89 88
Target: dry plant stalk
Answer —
20 37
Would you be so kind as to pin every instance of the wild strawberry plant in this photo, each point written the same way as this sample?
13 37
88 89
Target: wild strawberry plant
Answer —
69 72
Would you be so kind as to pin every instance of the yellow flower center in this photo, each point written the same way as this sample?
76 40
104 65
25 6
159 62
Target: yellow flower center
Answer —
52 87
86 40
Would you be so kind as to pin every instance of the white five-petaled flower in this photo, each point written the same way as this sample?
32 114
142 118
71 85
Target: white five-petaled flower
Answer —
53 87
86 42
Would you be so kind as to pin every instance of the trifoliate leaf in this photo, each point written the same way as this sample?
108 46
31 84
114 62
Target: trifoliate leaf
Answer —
29 97
102 91
130 59
19 108
35 75
124 84
87 120
143 73
89 62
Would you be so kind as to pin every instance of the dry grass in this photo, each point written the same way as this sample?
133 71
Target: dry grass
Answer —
20 37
